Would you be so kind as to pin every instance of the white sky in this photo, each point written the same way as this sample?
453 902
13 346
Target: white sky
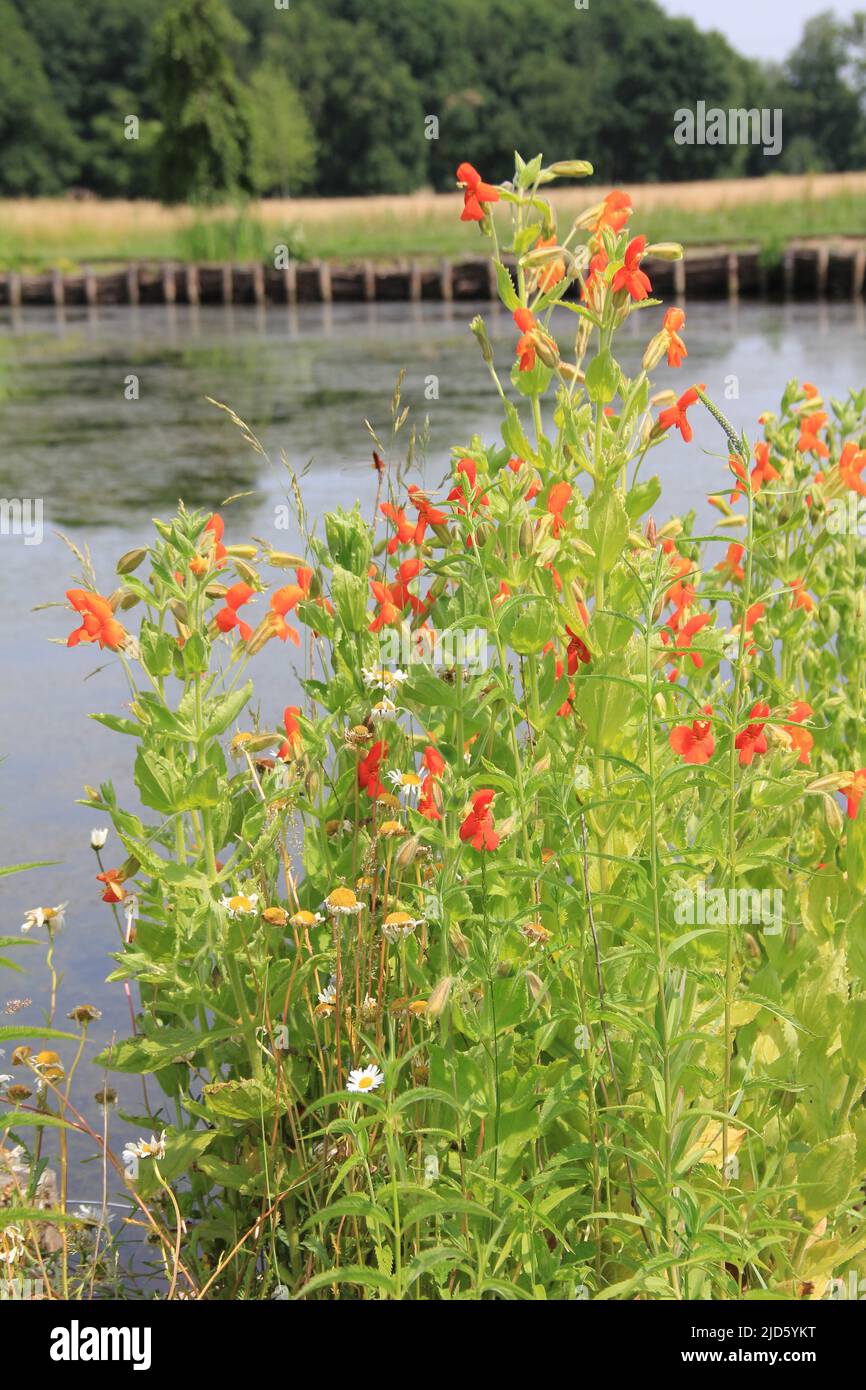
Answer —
759 28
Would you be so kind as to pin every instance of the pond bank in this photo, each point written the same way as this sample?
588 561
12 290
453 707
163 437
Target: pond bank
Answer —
806 271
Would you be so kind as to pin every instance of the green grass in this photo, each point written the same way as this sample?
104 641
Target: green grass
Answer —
35 236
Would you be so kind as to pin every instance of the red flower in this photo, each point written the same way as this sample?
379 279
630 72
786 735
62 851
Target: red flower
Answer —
98 621
694 743
427 802
227 617
554 270
525 343
478 825
730 567
854 791
809 443
597 267
799 598
405 529
388 613
291 747
752 741
631 278
471 498
285 600
677 350
763 472
114 891
368 770
216 527
675 415
428 515
800 738
690 630
577 652
475 194
433 761
851 465
557 500
616 210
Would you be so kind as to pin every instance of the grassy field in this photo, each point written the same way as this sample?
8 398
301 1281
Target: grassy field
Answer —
39 233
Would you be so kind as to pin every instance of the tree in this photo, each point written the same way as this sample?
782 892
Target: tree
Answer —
39 147
283 144
204 148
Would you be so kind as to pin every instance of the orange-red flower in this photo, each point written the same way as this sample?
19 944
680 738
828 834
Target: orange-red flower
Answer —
694 742
98 623
292 743
285 599
851 465
809 443
675 415
799 597
216 527
467 499
478 827
671 324
597 266
615 212
368 770
554 270
854 791
752 740
525 351
731 567
428 515
689 630
763 472
388 613
404 532
227 616
557 500
435 765
475 194
630 277
113 889
800 738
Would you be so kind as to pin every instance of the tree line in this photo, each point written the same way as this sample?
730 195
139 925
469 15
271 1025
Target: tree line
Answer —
193 100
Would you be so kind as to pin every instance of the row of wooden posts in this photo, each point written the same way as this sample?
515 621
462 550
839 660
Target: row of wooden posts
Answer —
807 272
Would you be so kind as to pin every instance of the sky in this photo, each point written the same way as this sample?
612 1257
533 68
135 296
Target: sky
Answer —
759 28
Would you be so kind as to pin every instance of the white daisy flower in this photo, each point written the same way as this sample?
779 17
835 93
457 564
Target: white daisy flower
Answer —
383 708
409 783
342 902
155 1148
5 1078
14 1246
364 1079
51 917
98 838
381 676
328 996
241 904
398 924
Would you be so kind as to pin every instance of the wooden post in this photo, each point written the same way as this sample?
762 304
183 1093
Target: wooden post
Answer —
733 276
91 292
132 295
821 266
414 282
679 279
14 282
369 281
290 280
492 284
858 273
446 281
259 282
169 288
325 288
193 290
58 293
788 274
228 282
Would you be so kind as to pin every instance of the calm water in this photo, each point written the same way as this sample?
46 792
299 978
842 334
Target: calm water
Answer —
305 380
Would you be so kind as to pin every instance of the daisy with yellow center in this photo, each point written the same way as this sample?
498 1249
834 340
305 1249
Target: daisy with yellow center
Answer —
50 917
275 916
390 829
409 783
304 919
328 996
363 1079
241 904
381 676
399 924
341 902
48 1065
383 708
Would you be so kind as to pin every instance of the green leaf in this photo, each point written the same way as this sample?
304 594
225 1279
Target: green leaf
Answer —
505 285
602 378
825 1176
608 528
